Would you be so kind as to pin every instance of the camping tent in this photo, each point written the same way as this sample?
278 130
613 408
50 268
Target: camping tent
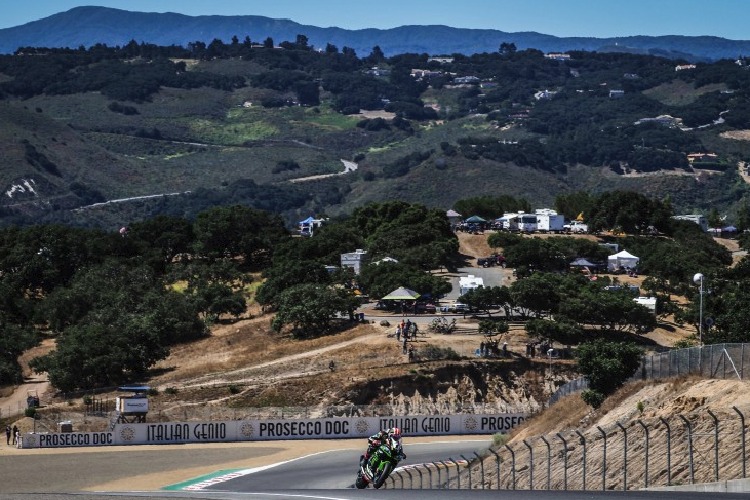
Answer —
402 293
622 260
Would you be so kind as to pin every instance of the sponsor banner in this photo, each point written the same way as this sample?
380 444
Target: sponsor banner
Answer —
68 439
268 430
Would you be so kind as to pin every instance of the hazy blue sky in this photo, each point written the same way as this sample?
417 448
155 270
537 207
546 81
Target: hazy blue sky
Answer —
598 18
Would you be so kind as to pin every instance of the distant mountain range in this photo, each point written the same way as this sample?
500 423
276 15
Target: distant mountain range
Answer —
91 25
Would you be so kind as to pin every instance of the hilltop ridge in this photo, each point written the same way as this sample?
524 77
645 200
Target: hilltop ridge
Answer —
88 26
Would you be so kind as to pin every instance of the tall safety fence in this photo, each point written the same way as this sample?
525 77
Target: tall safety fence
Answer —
720 361
694 447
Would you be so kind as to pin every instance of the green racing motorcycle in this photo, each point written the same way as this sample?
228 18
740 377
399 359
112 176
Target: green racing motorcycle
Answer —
381 463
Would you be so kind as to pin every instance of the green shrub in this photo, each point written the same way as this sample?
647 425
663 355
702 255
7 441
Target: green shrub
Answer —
499 439
170 390
29 412
593 398
153 391
432 352
234 389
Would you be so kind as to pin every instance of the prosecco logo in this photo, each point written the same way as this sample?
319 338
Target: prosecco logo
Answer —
470 423
247 430
127 433
362 426
29 442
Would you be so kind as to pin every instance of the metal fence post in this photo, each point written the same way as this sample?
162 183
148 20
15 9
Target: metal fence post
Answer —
690 447
458 475
742 438
531 464
549 459
624 457
742 362
481 469
583 445
669 451
645 458
716 444
497 464
468 467
512 464
565 461
604 459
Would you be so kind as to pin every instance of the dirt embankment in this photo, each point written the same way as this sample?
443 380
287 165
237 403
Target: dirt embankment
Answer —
633 407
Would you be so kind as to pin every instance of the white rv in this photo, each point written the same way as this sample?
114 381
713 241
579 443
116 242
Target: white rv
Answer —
548 221
527 223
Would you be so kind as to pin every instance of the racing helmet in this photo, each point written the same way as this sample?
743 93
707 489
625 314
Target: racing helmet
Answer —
395 432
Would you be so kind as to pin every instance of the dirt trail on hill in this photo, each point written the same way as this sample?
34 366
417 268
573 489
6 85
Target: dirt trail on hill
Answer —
235 376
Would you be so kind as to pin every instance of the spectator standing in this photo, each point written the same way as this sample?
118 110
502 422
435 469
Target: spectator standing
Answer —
398 333
7 435
15 434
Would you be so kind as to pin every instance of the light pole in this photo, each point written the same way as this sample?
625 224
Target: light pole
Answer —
698 280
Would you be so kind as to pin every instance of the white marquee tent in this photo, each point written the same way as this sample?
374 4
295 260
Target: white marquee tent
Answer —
622 259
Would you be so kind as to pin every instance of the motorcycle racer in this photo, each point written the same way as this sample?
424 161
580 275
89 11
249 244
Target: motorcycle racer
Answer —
378 438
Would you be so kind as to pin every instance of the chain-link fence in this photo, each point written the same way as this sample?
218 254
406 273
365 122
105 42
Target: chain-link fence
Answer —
694 447
721 361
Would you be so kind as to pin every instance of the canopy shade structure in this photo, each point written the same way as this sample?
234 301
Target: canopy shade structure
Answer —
309 220
582 263
622 259
402 293
474 219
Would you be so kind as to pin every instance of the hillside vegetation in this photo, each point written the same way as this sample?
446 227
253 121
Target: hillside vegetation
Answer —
232 122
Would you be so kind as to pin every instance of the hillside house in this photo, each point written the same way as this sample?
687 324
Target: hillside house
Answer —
545 94
682 67
702 157
666 120
441 59
557 56
697 219
616 94
354 260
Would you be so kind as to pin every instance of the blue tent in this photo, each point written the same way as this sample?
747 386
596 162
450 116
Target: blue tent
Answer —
307 221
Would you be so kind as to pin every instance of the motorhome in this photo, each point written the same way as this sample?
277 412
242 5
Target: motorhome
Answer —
527 223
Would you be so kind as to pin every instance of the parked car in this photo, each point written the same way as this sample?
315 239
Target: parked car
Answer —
492 260
425 308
